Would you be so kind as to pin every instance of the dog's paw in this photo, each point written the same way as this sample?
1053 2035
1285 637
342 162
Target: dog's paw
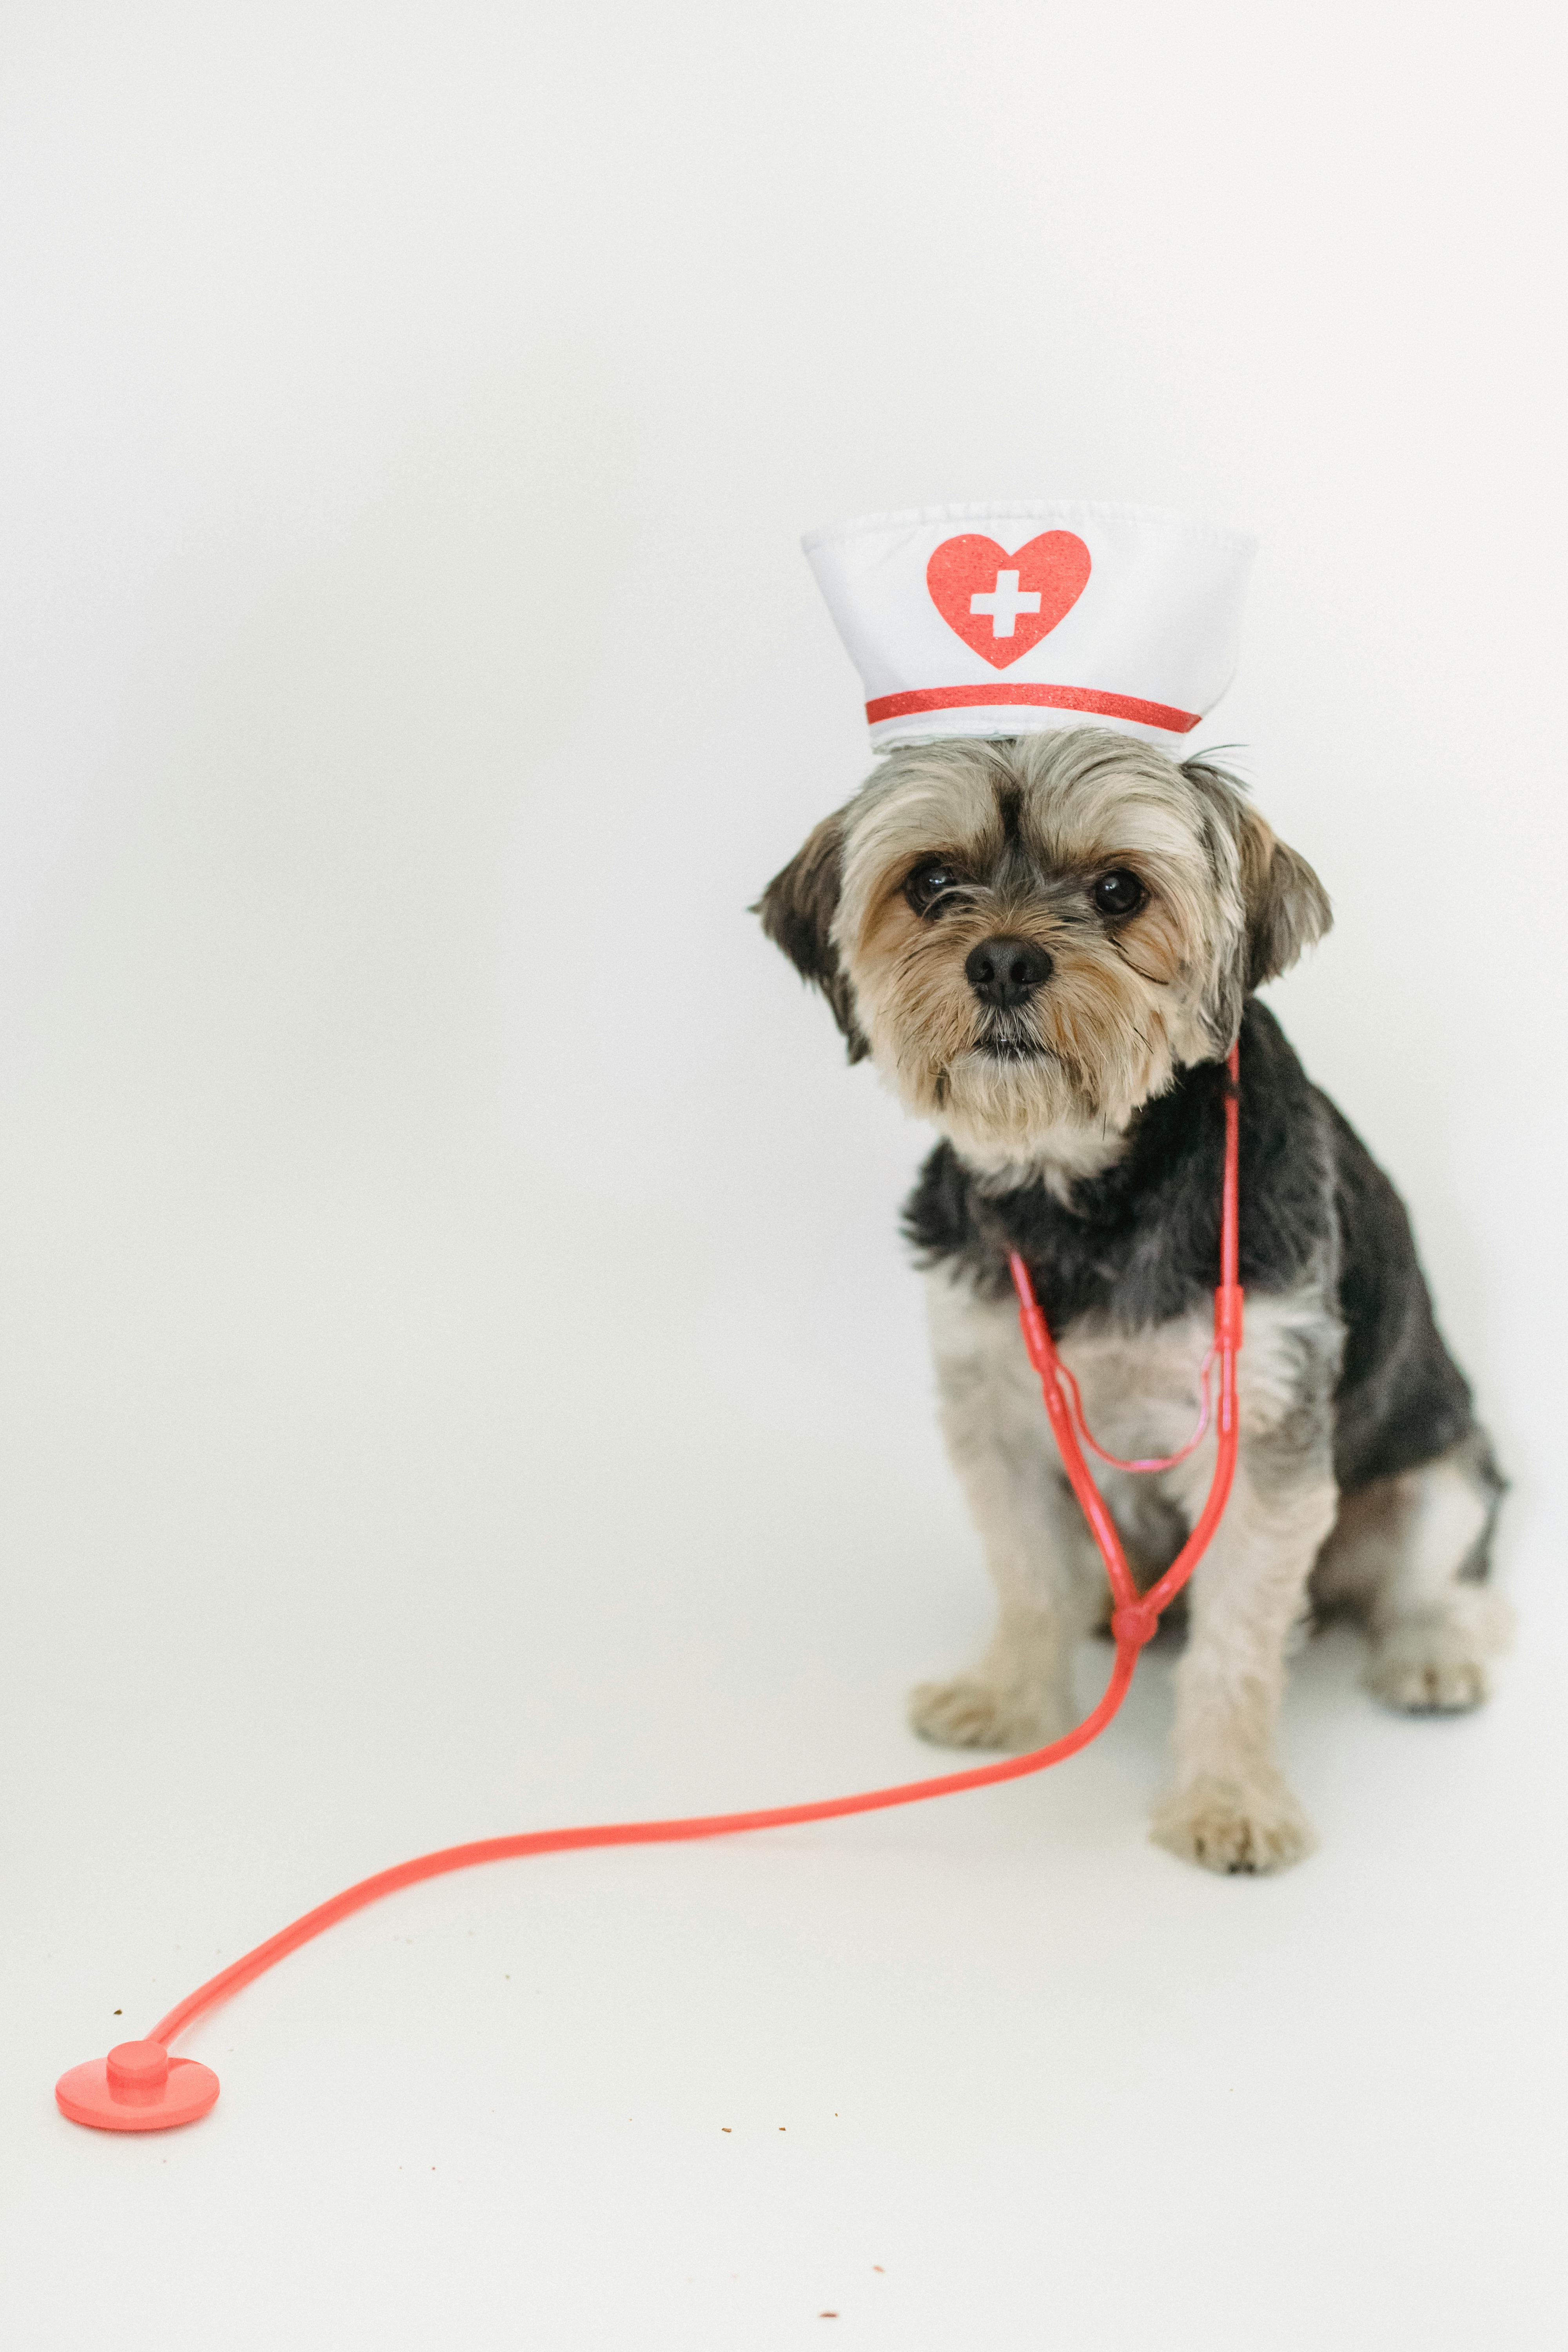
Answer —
1236 1827
970 1712
1426 1674
1434 1664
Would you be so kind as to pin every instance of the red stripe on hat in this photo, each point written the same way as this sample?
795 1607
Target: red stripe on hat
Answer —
1052 698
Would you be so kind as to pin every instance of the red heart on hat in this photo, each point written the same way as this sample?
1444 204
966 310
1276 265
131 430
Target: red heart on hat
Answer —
1001 604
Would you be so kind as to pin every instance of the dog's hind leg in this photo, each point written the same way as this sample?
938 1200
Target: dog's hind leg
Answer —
1411 1555
1049 1582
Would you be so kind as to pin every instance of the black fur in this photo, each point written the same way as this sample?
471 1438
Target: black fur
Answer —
1141 1243
797 911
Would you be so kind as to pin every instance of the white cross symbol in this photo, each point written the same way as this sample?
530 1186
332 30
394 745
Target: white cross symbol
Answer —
1004 603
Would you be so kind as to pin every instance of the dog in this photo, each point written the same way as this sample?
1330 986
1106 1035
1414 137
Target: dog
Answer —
1047 944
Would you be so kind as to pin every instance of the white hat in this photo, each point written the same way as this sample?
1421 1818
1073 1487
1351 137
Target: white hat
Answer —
1008 619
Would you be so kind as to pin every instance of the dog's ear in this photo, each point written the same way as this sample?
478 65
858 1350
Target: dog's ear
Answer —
797 911
1287 907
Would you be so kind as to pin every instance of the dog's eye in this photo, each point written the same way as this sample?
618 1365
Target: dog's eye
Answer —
930 881
1119 893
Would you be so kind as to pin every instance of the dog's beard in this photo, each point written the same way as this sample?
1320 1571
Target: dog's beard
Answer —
1091 1047
1016 1093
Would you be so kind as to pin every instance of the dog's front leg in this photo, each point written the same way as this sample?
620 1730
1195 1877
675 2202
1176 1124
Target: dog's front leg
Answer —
1050 1586
1231 1809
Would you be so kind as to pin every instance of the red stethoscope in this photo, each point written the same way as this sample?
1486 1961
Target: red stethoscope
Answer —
141 2088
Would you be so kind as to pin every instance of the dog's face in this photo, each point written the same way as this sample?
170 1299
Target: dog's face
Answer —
1031 935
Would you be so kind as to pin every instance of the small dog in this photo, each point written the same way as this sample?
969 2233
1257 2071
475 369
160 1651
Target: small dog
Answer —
1048 944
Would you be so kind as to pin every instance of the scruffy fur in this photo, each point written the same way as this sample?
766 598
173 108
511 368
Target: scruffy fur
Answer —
1080 1112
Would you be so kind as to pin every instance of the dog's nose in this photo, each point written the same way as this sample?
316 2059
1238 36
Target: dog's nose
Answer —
1003 971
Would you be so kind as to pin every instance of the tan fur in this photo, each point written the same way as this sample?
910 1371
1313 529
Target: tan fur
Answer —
1126 1005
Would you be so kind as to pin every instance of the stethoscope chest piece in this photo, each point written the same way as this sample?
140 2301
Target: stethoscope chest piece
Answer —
138 2087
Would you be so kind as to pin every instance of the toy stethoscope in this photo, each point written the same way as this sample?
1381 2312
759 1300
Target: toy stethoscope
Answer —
141 2088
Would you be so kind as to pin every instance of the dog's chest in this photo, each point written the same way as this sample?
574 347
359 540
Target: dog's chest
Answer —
1141 1390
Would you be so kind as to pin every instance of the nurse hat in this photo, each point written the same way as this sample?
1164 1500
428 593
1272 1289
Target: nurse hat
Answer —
1014 617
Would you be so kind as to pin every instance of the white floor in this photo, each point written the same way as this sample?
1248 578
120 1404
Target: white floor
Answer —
345 1535
456 1369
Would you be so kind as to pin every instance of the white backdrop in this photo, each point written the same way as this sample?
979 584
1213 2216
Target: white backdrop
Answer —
456 1367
